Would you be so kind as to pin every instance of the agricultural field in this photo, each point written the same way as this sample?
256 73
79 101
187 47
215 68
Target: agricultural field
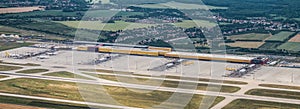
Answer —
4 30
12 106
296 38
184 41
298 19
270 45
110 13
195 23
279 18
48 27
255 104
46 13
249 37
224 23
243 44
60 13
98 25
290 46
280 37
58 29
70 91
178 5
19 9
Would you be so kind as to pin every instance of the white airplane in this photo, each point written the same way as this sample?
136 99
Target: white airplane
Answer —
169 65
180 60
53 53
43 57
14 55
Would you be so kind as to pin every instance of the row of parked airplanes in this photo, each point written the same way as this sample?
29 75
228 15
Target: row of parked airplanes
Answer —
39 55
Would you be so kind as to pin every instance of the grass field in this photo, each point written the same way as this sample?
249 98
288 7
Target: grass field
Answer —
243 44
291 46
121 25
26 64
296 38
270 45
178 5
167 83
170 77
44 88
38 103
210 80
65 74
195 23
249 37
224 23
2 76
11 45
274 93
58 29
181 41
49 27
298 19
280 37
9 68
67 90
30 71
97 25
255 104
279 18
18 9
4 30
280 86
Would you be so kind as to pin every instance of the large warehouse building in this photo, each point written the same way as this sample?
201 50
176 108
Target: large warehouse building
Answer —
168 53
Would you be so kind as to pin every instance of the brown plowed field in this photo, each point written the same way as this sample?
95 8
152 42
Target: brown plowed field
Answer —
295 38
19 9
12 106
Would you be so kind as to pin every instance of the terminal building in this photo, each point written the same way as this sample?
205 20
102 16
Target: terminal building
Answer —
168 53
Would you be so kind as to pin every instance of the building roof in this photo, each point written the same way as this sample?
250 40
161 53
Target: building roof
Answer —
213 55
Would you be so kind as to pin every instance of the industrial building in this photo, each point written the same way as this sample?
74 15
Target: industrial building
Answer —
168 53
